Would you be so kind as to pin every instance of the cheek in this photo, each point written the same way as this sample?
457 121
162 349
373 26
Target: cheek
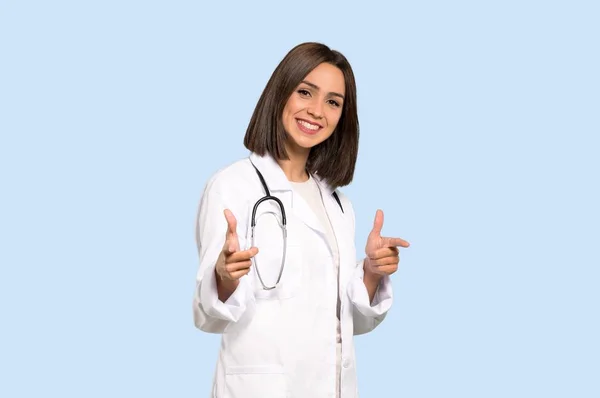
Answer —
291 107
287 111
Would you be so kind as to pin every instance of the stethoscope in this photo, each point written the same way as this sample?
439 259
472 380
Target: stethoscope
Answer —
283 226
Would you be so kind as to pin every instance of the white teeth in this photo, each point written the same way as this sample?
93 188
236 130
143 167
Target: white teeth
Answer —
308 125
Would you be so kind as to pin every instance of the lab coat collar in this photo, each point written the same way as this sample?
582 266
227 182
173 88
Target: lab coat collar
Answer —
323 185
271 171
277 181
275 177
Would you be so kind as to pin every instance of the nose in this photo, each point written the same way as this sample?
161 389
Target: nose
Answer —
315 109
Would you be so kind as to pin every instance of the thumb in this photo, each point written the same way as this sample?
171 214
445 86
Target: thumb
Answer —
231 221
378 223
231 234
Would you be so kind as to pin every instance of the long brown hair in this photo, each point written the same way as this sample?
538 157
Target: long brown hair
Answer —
334 159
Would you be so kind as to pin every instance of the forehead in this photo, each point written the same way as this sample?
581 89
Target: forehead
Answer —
328 77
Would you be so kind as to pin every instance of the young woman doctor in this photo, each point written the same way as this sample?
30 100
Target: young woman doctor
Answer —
279 277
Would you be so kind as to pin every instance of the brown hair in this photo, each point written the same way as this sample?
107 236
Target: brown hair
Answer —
334 159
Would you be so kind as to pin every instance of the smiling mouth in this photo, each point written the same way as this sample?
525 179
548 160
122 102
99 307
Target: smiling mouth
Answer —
307 127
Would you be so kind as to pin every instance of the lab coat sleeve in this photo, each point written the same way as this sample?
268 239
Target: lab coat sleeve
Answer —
211 314
367 315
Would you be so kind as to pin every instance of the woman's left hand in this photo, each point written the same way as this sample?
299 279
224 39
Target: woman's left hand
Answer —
382 253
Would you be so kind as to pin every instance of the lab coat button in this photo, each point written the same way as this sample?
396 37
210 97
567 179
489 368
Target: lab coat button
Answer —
347 363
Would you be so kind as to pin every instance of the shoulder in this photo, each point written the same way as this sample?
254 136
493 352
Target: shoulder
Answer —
230 178
229 187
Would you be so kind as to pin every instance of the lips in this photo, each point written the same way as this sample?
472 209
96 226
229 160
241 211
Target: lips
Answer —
308 127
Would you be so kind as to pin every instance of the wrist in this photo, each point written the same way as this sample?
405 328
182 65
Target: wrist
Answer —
370 275
371 280
225 287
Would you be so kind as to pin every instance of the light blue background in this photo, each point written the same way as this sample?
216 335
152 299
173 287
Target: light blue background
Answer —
479 140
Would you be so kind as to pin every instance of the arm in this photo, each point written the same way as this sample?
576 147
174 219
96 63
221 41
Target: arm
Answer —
371 281
216 303
370 290
370 295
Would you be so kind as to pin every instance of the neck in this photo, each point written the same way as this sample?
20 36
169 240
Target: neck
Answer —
294 168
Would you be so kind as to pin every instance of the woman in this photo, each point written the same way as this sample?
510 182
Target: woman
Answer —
287 301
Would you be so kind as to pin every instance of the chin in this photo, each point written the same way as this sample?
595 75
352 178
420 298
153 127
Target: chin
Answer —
308 142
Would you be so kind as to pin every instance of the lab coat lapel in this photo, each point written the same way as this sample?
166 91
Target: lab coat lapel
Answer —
278 183
334 212
331 207
303 211
272 173
342 228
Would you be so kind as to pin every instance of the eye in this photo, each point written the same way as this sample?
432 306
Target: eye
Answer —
334 103
303 92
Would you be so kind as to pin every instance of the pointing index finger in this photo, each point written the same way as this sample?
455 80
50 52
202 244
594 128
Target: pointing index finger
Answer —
244 255
393 242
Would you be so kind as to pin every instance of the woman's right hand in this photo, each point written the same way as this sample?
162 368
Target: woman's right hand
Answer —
232 263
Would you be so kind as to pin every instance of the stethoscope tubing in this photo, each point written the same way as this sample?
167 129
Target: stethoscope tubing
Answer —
265 198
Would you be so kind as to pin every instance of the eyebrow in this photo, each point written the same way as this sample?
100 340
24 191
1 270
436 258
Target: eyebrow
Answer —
317 88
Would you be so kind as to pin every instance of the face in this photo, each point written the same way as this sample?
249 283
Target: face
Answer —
313 110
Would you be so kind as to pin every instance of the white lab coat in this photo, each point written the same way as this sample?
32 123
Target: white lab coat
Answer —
282 342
